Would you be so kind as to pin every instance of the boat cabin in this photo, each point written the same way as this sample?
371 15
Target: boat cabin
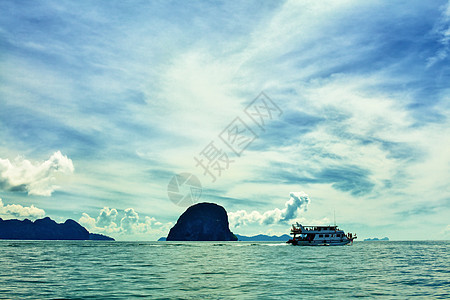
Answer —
319 235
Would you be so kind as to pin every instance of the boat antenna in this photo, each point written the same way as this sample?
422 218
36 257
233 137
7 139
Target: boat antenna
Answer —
334 211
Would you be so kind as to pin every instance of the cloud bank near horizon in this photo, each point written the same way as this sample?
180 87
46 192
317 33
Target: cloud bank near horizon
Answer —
298 202
109 222
16 211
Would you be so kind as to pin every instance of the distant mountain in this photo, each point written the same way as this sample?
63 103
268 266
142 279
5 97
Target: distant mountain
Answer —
46 229
256 238
99 237
376 239
263 238
202 222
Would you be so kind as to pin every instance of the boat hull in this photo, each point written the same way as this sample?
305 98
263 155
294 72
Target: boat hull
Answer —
317 243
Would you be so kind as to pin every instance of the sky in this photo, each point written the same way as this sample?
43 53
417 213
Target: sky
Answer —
282 111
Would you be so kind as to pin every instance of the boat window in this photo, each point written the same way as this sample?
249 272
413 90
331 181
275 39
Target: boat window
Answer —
326 235
320 235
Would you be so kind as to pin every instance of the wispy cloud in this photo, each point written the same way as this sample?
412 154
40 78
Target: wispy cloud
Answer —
131 93
442 32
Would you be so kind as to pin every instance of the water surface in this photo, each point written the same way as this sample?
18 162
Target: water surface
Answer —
168 270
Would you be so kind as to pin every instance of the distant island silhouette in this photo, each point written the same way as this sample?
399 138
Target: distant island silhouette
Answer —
255 238
202 222
46 229
376 239
263 238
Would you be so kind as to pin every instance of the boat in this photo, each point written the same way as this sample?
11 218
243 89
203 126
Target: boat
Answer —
319 236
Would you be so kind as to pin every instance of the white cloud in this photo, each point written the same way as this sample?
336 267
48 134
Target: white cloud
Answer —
107 217
297 202
130 221
104 223
15 211
34 178
87 221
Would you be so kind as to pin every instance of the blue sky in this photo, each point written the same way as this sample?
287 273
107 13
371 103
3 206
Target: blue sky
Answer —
101 103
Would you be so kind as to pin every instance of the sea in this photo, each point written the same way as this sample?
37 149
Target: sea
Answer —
222 270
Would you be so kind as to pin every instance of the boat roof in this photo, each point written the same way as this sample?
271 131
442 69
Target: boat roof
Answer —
315 227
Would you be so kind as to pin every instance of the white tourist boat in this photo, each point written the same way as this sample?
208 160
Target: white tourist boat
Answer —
319 236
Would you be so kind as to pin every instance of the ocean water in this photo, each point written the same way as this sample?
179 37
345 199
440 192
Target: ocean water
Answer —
217 270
